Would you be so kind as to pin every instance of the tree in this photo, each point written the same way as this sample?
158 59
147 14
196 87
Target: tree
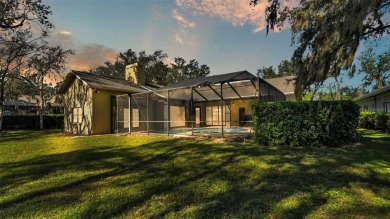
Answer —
271 13
17 39
47 61
328 33
375 67
13 51
267 72
350 93
16 13
154 67
15 87
180 70
286 68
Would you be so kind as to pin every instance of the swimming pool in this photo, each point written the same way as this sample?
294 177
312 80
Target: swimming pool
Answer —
205 131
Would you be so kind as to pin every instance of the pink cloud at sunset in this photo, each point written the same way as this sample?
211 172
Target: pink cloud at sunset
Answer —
236 12
91 56
87 56
183 21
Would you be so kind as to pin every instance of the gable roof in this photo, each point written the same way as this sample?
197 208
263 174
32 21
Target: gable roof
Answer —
101 82
210 80
285 84
29 101
374 93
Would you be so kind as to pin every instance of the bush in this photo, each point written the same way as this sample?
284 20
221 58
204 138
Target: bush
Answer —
32 122
377 121
367 120
328 123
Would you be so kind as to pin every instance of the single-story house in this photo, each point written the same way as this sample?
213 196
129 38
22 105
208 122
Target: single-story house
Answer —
376 101
98 105
29 105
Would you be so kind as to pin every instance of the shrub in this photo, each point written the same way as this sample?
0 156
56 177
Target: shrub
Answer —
377 121
329 123
381 120
367 120
32 122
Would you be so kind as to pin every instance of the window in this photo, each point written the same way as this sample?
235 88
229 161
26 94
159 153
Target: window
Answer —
126 117
197 115
77 113
135 118
209 117
214 115
386 107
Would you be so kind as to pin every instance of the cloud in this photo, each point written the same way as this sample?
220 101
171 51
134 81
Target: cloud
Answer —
63 38
182 20
65 33
87 56
91 56
236 12
178 38
182 34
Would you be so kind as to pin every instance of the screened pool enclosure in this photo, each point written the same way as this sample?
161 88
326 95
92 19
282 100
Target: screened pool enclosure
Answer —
218 104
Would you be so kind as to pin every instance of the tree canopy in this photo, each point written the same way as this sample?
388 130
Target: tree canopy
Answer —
328 33
285 68
24 28
154 67
16 13
375 67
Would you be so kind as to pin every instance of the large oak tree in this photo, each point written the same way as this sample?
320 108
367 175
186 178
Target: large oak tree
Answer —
327 34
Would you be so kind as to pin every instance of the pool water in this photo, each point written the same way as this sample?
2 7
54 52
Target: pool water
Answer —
207 130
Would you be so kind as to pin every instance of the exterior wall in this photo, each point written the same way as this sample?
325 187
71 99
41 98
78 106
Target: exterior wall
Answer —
102 111
78 95
234 109
376 103
236 104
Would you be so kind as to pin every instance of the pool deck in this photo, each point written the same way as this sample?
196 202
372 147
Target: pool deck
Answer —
212 131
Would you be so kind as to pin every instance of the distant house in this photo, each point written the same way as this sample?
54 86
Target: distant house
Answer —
376 101
29 105
285 84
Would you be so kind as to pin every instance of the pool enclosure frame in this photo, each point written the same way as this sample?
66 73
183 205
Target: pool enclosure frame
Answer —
182 105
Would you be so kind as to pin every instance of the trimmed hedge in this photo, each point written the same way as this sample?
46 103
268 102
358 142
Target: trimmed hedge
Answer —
318 123
32 122
376 121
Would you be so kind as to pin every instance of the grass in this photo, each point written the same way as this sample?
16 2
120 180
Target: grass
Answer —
52 175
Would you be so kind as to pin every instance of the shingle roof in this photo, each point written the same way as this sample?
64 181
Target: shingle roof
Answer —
210 80
28 100
19 103
101 82
284 84
374 93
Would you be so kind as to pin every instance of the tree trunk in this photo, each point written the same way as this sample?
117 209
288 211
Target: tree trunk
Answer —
42 107
298 91
1 116
1 102
338 89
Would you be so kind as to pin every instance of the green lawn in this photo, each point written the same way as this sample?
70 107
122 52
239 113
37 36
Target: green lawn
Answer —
52 175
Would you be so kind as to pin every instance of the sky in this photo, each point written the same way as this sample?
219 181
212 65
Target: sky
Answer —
226 35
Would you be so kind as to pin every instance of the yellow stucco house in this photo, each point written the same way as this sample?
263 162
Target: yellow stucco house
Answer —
99 105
